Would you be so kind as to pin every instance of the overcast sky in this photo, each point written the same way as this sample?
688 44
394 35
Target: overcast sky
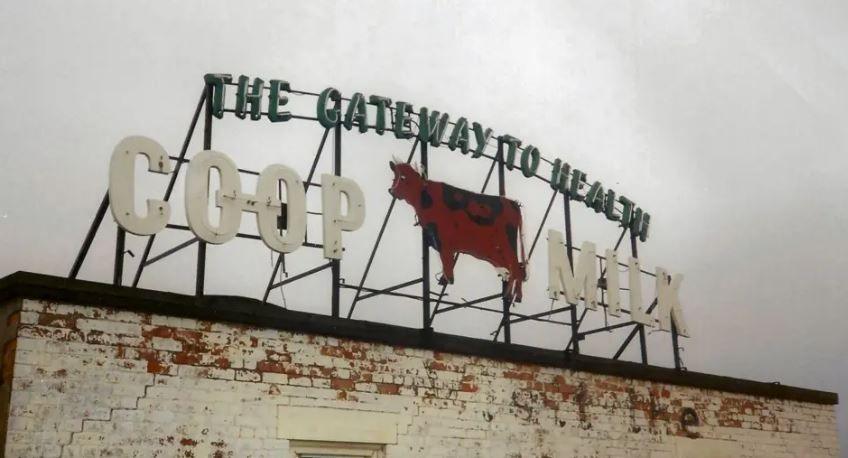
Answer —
725 120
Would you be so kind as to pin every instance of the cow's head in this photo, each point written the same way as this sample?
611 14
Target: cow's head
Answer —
407 184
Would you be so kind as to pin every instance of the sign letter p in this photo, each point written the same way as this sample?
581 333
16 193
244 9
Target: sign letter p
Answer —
332 188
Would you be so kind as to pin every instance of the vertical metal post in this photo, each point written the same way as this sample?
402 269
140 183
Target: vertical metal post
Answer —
643 345
674 345
505 323
425 255
119 257
335 265
575 325
677 364
207 144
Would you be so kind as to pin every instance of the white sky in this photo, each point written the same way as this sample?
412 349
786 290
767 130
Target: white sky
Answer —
723 119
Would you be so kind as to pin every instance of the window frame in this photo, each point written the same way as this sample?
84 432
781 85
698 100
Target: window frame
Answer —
301 448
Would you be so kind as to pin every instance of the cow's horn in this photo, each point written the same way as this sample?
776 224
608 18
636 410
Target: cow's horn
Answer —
392 165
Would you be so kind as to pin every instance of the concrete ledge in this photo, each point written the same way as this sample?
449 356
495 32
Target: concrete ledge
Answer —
253 312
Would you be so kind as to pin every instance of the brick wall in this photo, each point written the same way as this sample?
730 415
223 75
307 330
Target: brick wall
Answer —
92 381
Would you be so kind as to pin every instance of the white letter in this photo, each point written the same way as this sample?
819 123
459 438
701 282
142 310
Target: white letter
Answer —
122 185
668 302
197 197
613 294
332 187
562 280
269 206
637 314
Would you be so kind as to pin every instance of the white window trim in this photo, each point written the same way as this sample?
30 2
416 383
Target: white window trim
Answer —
306 448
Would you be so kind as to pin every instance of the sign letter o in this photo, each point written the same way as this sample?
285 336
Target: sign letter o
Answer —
226 199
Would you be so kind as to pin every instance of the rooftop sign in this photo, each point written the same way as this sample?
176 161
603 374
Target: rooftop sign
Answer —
454 221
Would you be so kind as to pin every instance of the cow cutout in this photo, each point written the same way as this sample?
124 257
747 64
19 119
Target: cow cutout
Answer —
454 221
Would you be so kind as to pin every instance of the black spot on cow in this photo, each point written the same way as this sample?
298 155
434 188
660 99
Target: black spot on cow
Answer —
512 236
455 198
480 208
426 199
431 234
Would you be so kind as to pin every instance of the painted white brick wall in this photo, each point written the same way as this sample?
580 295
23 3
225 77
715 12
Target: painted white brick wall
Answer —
93 381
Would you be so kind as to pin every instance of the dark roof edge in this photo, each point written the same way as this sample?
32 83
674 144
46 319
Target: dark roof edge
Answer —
253 312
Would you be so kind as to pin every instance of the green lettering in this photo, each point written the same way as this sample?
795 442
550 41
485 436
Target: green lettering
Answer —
218 82
328 117
459 136
276 100
381 103
576 183
357 111
403 125
626 210
559 176
252 98
512 145
643 230
530 161
636 221
609 206
482 136
431 127
595 197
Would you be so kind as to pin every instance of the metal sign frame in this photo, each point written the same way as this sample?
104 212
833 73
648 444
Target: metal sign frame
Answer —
433 303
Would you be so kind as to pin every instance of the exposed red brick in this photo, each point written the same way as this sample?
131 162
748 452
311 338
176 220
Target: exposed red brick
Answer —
56 320
518 375
387 388
342 384
272 355
436 366
271 366
188 442
187 358
469 387
8 360
156 367
14 319
164 332
223 363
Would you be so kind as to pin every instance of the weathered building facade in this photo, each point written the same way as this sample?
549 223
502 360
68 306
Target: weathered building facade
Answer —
96 370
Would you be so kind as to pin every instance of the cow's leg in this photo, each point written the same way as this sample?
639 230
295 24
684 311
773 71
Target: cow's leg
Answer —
448 262
517 288
515 282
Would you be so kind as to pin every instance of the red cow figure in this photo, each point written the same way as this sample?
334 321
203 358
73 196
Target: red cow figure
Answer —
459 221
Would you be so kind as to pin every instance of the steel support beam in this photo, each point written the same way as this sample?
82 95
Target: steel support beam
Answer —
171 183
359 287
574 342
207 145
120 241
337 171
392 288
89 237
505 301
425 255
301 275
